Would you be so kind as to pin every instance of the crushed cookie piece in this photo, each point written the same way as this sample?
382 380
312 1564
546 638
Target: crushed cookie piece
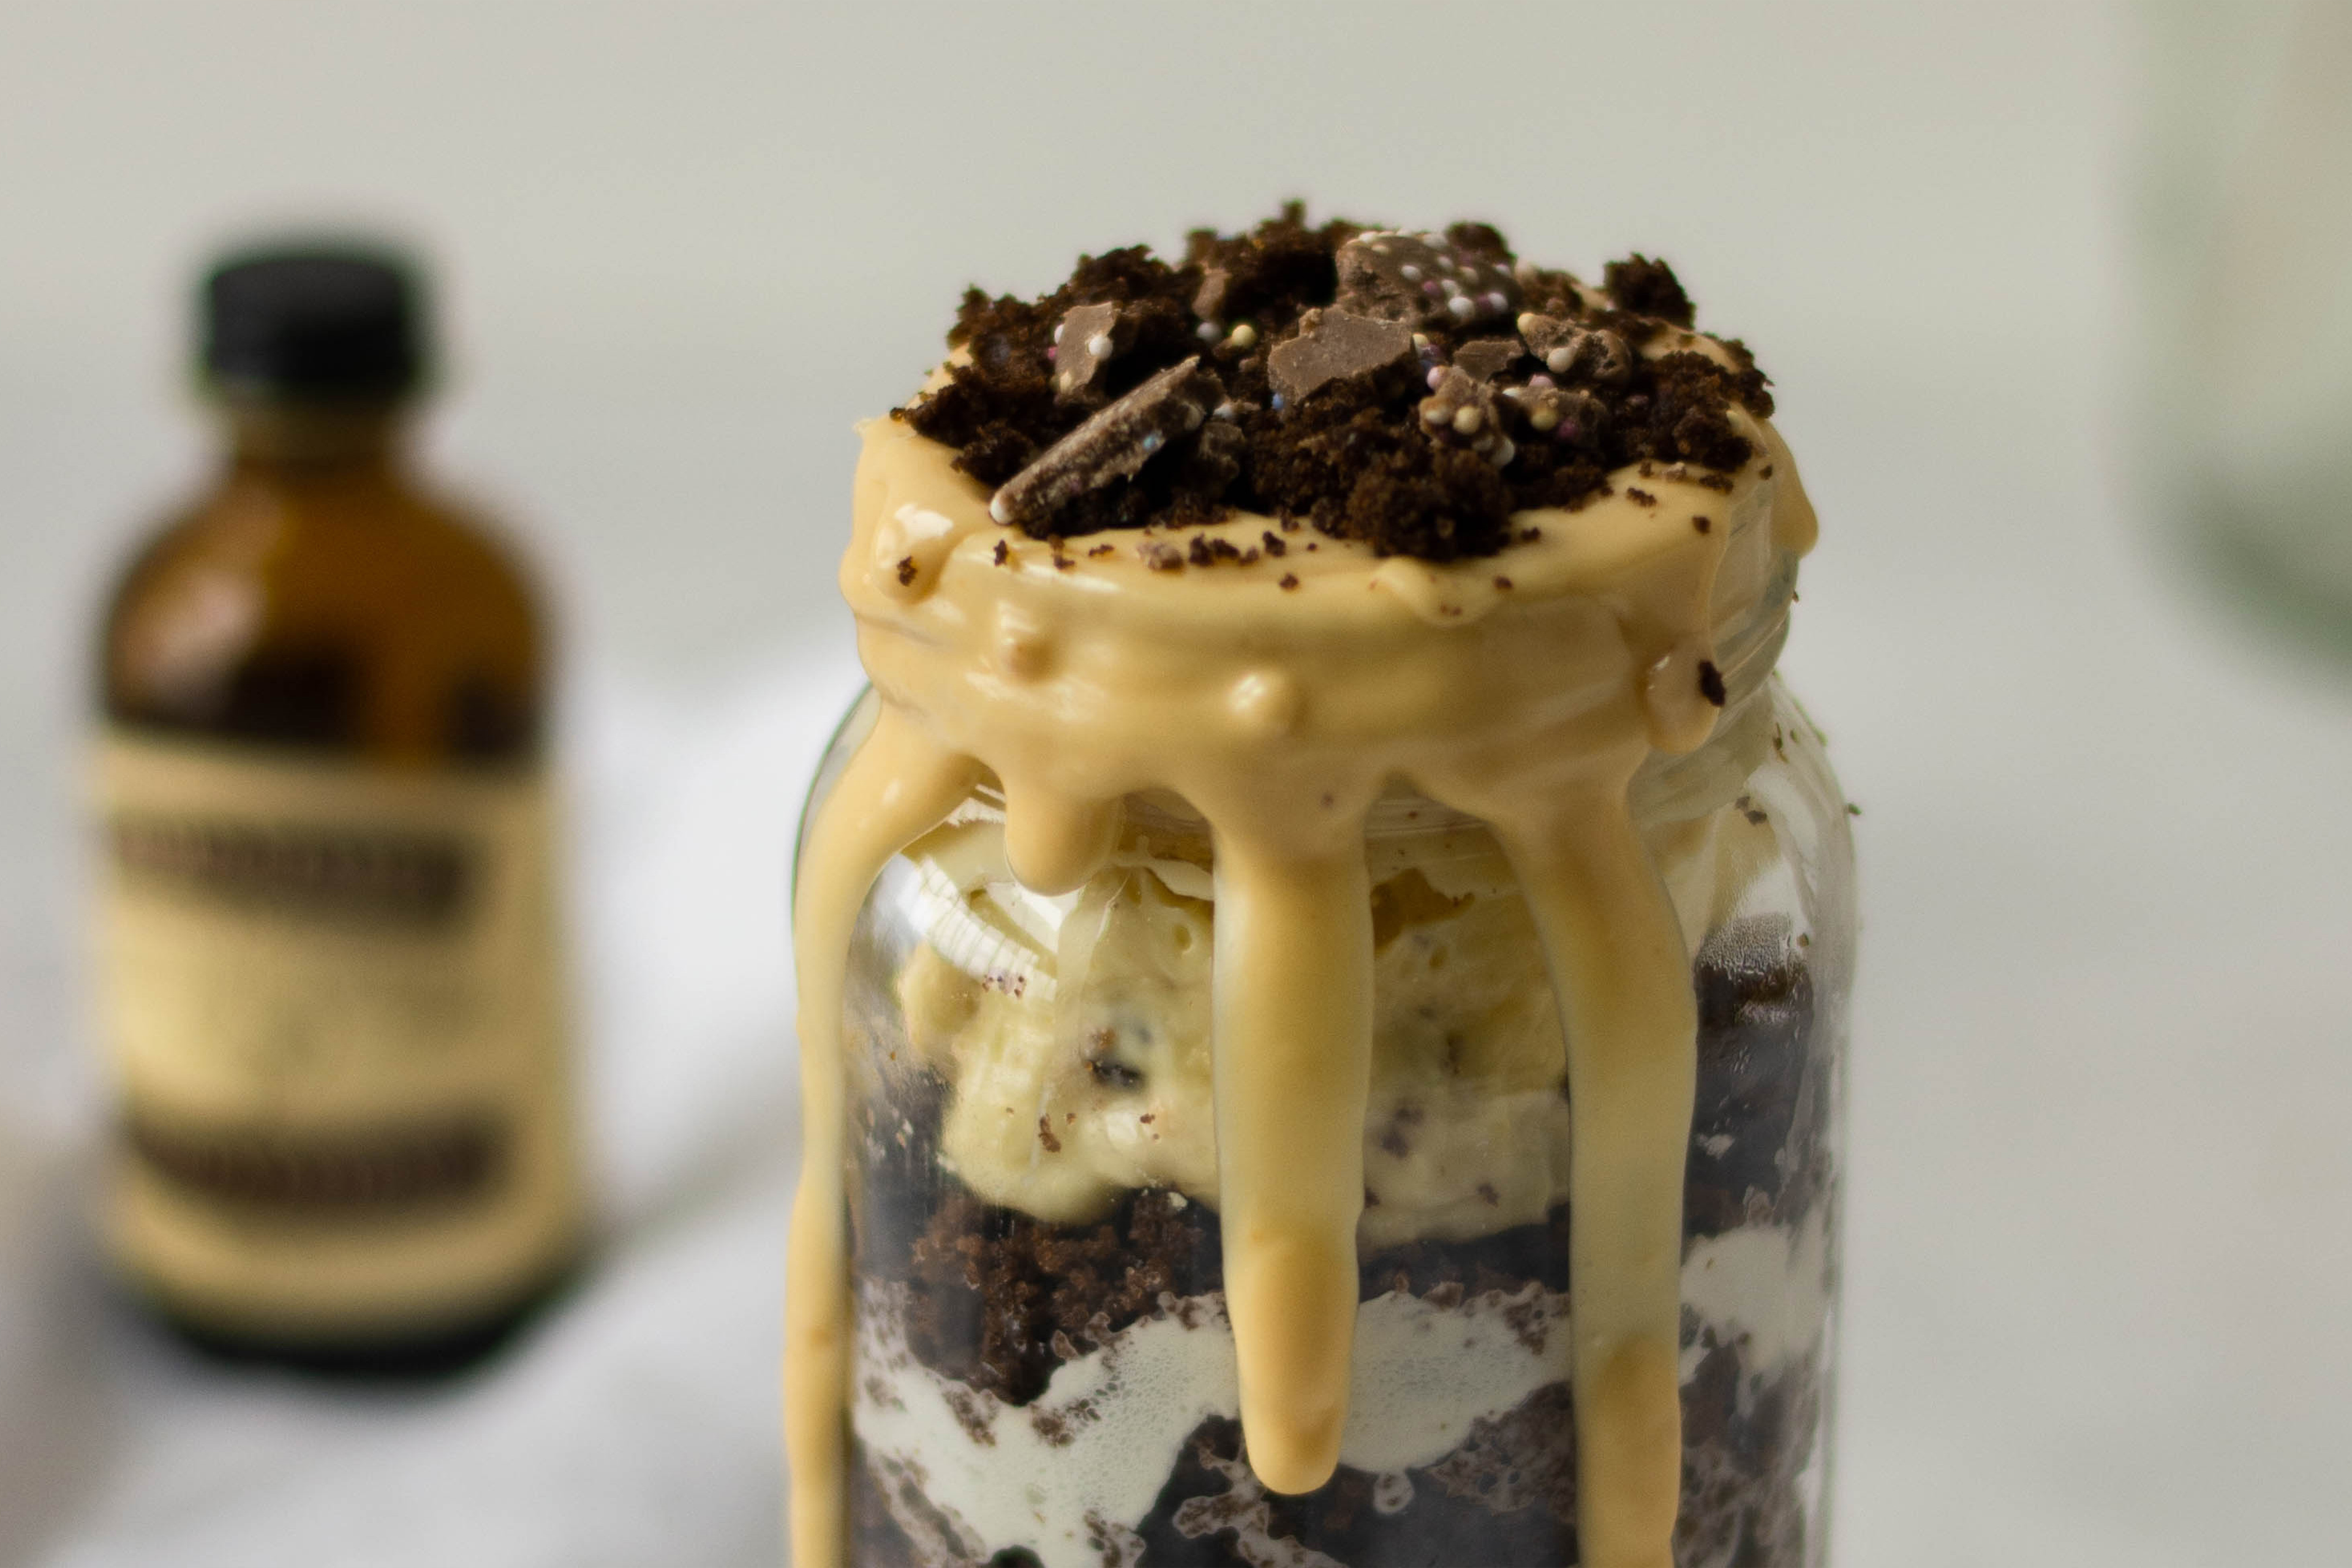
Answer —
907 570
1710 682
1003 553
1701 524
1289 580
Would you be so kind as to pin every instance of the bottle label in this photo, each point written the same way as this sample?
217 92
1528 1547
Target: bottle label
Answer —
332 999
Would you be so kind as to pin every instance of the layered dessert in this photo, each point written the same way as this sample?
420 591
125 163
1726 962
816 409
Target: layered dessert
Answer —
1324 819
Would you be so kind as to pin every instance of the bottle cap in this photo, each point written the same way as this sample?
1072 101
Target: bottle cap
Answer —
323 320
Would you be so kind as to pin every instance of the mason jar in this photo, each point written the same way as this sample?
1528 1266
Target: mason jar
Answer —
1040 1369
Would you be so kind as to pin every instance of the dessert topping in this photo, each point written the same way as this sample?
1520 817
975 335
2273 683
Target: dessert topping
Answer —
1334 345
1113 444
1316 414
1426 279
1086 339
1484 359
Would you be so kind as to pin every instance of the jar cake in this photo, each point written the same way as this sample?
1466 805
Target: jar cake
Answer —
1324 818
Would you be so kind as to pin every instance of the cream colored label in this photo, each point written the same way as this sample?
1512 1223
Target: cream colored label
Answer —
331 1000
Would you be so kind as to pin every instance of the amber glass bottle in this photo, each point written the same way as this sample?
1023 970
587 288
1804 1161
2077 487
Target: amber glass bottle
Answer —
329 958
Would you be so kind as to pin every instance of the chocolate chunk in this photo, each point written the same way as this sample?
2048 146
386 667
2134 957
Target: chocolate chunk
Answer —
1334 345
1484 359
1465 413
1423 280
1585 353
1569 415
1089 338
1113 444
1209 299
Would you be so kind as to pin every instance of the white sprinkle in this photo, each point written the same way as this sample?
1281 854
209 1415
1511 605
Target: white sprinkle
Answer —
1527 322
1057 330
1445 264
1461 307
1453 290
1436 374
1207 332
1525 272
1243 336
1421 340
1192 416
1499 302
1559 359
1546 420
997 508
1412 273
1226 409
1504 452
1099 346
1466 421
1434 413
1544 381
1153 440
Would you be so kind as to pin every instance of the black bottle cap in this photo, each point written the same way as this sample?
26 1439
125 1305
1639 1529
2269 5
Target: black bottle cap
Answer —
329 320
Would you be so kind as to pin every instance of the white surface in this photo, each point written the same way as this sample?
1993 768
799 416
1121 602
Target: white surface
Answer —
2097 1269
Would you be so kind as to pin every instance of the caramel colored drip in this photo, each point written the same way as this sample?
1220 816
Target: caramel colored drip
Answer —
1293 1054
1525 689
898 786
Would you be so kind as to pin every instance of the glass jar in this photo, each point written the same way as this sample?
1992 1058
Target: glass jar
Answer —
1041 1372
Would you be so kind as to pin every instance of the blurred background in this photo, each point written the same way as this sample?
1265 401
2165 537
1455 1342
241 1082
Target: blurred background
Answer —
2058 301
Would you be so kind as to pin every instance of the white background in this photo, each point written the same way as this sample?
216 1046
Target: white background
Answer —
2097 1262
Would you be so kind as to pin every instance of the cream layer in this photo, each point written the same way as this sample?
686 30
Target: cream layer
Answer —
1085 1463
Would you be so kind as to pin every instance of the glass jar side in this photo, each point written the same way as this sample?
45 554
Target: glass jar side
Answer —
1043 1372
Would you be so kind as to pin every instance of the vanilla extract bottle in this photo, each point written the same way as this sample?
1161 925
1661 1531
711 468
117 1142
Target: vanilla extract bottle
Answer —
329 942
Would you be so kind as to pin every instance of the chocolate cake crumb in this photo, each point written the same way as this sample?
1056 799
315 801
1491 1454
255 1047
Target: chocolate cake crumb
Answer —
1648 288
906 570
1639 498
1286 370
1289 581
1004 552
1701 524
1710 682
